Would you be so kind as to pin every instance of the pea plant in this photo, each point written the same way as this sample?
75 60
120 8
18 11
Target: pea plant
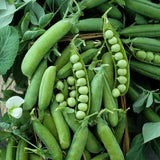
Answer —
86 76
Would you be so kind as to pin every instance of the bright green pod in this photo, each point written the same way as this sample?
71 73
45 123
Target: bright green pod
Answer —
118 48
146 8
34 157
48 139
101 156
42 45
46 87
61 126
32 92
78 143
2 153
21 153
108 139
10 150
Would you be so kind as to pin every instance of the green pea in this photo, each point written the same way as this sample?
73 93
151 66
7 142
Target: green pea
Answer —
83 90
149 56
81 82
82 107
122 63
59 97
71 101
118 56
108 34
80 73
83 98
80 114
121 88
74 58
112 41
60 85
77 66
115 48
72 93
141 54
115 92
71 80
156 59
122 71
63 104
122 79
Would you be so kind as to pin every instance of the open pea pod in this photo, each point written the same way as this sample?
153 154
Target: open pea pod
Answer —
121 65
81 83
146 56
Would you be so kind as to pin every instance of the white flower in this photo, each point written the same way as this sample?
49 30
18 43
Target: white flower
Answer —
13 104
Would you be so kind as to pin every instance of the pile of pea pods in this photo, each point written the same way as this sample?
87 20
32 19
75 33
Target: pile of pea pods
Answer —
73 102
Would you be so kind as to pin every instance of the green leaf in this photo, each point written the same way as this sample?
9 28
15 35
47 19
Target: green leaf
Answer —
25 22
44 20
151 131
4 135
3 5
149 100
137 150
138 105
156 146
6 15
5 125
32 34
9 41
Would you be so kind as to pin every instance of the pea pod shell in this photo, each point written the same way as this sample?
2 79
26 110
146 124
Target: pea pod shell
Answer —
46 87
10 151
43 44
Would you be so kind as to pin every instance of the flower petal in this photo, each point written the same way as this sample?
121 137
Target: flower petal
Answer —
16 113
15 101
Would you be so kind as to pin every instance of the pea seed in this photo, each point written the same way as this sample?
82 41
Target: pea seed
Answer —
113 40
82 107
71 80
63 104
122 63
59 97
80 73
74 58
122 79
80 114
108 34
72 93
122 71
150 56
83 98
156 58
81 82
115 48
121 88
77 66
83 90
71 102
141 54
60 85
115 92
118 56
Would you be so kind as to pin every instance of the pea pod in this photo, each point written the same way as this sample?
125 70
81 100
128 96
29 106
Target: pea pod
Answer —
21 154
49 123
147 30
92 144
42 45
34 157
109 141
146 69
78 143
61 126
31 94
145 8
46 88
48 139
101 156
2 153
115 46
66 70
10 151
